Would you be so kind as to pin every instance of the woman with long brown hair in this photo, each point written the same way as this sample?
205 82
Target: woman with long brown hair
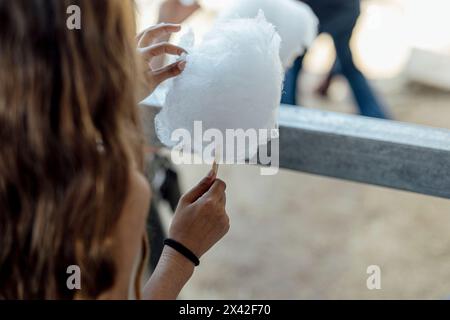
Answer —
71 155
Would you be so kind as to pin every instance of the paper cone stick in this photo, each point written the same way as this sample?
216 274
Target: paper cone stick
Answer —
215 166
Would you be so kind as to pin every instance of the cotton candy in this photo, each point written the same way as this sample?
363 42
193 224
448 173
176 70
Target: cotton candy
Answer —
295 22
232 80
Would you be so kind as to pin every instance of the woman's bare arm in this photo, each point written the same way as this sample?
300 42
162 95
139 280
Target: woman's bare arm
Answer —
199 222
170 276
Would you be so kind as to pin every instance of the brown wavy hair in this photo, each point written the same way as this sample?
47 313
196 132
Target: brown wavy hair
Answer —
69 136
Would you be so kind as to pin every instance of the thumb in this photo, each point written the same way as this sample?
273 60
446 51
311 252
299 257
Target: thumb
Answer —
200 189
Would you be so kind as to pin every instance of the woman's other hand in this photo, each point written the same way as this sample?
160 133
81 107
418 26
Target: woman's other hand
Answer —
150 47
200 220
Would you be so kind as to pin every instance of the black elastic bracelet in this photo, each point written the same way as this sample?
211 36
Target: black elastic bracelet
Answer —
183 250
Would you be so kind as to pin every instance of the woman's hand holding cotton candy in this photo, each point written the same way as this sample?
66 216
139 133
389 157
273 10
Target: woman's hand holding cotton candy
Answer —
200 220
149 47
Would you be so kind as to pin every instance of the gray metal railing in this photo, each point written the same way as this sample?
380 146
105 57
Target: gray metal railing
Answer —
385 153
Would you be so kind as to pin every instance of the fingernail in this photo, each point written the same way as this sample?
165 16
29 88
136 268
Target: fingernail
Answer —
182 65
211 174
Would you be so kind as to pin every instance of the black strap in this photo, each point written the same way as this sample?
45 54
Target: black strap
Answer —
183 250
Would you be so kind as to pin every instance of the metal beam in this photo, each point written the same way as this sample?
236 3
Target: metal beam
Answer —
385 153
378 152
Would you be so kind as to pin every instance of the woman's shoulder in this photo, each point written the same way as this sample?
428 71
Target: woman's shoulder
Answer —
139 194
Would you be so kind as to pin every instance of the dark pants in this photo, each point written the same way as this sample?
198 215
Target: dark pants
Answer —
368 103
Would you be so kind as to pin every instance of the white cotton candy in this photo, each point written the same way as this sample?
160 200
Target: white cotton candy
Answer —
295 22
232 80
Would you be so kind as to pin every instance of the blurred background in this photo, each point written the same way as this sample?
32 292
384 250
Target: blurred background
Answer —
298 236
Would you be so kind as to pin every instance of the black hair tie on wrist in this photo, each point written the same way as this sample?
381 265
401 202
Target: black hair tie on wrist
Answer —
183 250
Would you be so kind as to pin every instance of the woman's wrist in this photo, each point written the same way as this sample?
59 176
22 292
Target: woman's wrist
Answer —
170 276
178 261
185 251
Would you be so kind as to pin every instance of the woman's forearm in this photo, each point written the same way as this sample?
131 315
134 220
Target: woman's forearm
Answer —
170 276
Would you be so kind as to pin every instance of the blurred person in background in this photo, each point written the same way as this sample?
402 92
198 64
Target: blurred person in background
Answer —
72 191
173 11
324 86
338 18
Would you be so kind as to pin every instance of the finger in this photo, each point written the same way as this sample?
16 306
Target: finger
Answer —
146 37
170 71
227 223
223 200
159 30
226 217
217 190
160 49
199 190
